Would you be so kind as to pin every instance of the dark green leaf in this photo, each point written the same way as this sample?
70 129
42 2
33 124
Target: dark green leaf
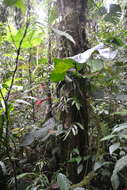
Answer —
10 2
115 40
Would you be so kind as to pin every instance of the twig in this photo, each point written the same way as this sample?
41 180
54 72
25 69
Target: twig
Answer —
16 61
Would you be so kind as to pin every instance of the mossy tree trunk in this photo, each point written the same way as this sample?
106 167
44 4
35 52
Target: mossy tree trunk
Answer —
73 22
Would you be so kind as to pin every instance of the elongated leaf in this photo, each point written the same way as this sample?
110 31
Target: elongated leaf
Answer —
114 147
115 181
98 165
20 176
65 34
80 168
2 165
63 182
22 102
108 137
120 164
120 127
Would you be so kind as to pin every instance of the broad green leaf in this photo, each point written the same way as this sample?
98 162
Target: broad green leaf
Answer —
61 67
63 182
95 65
56 77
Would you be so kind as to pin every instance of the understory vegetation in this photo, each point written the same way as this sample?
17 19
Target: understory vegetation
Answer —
63 95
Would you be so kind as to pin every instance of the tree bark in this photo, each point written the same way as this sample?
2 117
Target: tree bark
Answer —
73 22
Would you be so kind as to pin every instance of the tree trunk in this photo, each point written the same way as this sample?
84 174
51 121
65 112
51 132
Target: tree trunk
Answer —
73 22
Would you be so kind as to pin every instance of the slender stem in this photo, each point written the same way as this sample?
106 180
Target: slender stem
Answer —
30 83
17 61
6 99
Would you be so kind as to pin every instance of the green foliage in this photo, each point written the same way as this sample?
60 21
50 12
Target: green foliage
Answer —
95 65
17 3
32 39
120 164
63 182
25 86
115 40
118 138
10 2
61 68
